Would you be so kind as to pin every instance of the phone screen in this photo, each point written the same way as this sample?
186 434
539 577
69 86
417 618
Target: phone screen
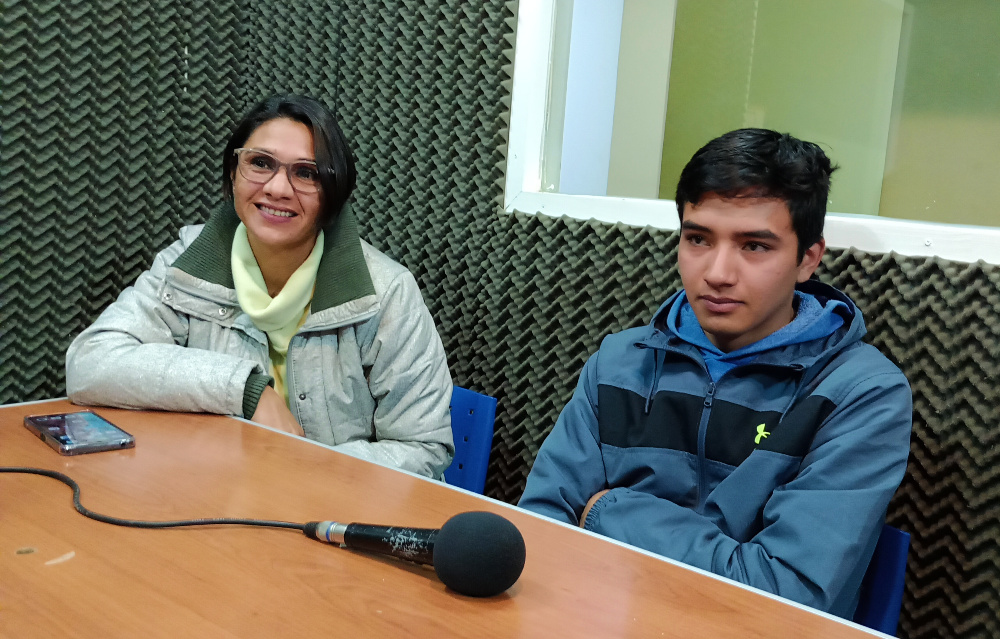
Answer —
82 432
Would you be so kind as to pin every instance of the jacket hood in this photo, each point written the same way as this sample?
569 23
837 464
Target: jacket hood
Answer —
796 355
342 277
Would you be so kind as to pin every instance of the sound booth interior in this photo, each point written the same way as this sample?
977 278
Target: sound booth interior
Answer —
113 117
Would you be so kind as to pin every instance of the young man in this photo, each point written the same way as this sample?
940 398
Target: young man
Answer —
748 430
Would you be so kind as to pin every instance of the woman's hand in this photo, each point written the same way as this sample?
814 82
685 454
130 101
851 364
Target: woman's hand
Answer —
272 411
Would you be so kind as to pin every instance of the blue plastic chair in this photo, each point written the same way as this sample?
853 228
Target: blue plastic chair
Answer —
472 417
882 587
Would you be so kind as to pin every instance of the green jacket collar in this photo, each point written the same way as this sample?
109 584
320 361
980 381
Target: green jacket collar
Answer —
342 277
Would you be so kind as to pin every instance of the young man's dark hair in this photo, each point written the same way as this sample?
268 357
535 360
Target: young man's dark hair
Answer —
760 163
748 429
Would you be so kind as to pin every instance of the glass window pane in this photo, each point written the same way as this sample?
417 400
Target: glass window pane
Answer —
903 95
822 71
943 161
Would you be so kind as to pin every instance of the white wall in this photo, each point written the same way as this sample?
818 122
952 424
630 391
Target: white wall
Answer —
641 98
590 96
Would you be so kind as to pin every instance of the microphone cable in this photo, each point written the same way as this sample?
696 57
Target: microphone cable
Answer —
132 523
477 554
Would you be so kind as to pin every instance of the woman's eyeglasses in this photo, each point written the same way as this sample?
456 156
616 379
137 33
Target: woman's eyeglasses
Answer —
260 167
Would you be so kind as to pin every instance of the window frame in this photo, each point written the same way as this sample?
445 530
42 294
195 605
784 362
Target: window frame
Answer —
532 77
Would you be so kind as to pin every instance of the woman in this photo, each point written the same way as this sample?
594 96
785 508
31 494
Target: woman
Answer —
277 311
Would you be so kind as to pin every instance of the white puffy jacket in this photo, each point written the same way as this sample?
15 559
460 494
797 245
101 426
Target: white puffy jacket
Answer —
366 372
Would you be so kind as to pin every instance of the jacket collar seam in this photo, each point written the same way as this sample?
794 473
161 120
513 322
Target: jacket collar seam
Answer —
198 262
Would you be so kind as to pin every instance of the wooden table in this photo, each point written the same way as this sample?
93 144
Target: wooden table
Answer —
63 575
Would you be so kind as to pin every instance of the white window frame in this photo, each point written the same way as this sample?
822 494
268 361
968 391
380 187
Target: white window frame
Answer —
526 146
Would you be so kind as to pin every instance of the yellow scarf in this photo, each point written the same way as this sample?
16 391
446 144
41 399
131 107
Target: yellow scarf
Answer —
281 316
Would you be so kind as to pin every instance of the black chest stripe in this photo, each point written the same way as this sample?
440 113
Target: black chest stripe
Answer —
735 431
672 421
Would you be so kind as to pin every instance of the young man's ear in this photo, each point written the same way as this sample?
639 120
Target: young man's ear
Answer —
810 260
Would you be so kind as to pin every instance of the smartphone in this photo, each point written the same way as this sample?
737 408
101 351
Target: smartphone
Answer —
78 433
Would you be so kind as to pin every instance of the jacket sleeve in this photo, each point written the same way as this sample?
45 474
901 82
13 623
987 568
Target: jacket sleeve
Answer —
816 528
408 378
569 470
135 356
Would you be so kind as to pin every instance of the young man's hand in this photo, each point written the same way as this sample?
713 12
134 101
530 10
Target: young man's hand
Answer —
272 411
590 504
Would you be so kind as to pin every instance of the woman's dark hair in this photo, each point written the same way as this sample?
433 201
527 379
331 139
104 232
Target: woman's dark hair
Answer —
337 175
759 163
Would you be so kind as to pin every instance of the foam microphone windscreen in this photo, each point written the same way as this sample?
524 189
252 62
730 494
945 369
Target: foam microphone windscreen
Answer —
478 554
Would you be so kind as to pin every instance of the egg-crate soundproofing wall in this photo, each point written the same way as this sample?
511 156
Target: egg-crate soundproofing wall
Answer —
113 116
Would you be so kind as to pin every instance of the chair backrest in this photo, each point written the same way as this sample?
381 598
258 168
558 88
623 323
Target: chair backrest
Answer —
472 416
882 587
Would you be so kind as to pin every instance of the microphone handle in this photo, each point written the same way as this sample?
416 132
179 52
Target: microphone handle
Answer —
410 544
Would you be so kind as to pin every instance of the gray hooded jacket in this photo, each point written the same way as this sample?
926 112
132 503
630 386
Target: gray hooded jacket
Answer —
366 372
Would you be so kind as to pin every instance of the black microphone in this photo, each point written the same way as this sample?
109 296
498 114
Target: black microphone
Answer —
478 554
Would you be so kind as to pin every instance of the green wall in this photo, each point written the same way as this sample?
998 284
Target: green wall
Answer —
943 162
904 96
819 70
708 79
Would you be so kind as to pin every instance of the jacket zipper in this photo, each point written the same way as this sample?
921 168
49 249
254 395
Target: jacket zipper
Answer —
706 413
656 377
293 400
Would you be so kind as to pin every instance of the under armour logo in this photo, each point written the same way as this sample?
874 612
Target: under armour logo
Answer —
761 434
